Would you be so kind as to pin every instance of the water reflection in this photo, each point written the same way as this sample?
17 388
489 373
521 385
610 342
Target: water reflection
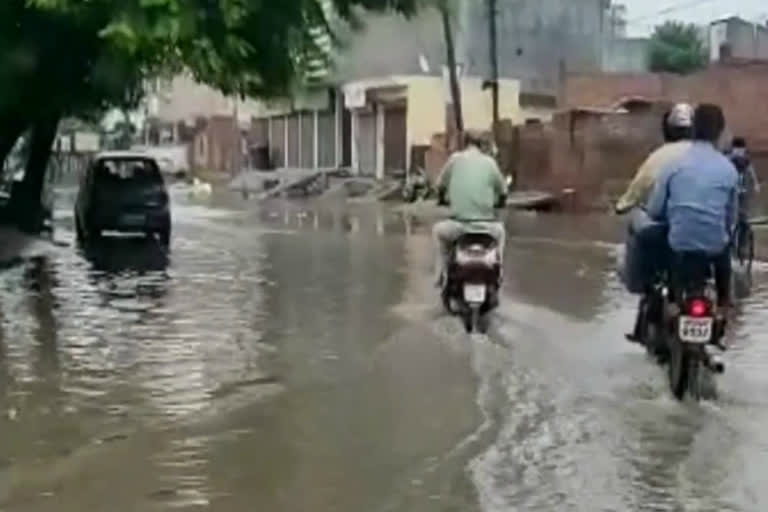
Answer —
40 281
378 220
118 255
299 364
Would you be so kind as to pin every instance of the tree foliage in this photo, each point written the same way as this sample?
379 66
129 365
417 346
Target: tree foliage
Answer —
677 48
66 57
75 54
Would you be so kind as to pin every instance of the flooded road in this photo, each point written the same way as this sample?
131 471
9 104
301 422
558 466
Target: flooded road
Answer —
292 359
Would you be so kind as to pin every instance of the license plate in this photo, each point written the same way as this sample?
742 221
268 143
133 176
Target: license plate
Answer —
474 293
134 219
695 330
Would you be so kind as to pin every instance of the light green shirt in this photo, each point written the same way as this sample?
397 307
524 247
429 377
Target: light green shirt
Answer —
642 185
474 184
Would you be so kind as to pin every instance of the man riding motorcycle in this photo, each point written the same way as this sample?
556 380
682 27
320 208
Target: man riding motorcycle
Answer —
676 128
697 197
677 125
472 184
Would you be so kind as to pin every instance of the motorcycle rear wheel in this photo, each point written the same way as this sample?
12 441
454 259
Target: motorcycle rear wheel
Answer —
678 370
695 375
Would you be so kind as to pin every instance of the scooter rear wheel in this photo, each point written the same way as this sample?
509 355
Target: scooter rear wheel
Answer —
473 320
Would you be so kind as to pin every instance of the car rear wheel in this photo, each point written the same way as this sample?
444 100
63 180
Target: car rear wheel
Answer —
164 235
94 236
78 229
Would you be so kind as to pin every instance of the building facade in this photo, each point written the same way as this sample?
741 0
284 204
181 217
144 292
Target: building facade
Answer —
386 94
737 38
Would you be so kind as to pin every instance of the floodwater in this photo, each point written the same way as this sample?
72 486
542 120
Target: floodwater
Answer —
286 358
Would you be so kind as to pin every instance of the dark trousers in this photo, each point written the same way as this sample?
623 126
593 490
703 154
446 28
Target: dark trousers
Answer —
692 269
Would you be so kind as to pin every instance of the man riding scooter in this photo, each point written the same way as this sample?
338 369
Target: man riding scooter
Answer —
646 247
472 184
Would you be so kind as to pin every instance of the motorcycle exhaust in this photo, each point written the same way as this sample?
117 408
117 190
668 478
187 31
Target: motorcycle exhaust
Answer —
713 360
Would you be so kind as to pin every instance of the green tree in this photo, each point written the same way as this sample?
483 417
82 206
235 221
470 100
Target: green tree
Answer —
677 48
68 57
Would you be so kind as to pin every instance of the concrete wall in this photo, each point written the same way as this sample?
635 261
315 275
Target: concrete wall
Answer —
762 42
718 36
427 98
741 38
178 155
626 55
183 99
426 109
534 37
390 44
478 105
745 39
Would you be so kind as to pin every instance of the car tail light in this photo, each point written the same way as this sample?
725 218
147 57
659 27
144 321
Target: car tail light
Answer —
699 308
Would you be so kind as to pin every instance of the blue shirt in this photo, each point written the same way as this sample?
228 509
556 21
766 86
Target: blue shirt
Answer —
698 197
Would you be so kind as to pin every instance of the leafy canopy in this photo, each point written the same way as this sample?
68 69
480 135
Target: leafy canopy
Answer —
74 55
677 48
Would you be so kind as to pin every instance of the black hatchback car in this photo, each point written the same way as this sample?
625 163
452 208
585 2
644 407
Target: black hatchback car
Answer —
123 192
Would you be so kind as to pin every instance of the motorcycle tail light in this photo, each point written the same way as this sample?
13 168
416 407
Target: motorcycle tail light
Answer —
699 308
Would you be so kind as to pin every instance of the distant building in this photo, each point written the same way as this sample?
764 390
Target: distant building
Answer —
616 21
737 38
376 102
542 40
626 55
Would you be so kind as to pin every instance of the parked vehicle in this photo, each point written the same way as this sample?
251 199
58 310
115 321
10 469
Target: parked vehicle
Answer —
685 333
416 186
12 178
123 192
471 288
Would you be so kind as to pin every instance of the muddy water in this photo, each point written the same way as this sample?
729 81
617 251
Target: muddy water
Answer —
287 358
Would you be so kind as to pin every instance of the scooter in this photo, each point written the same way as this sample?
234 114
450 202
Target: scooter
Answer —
471 287
416 186
473 281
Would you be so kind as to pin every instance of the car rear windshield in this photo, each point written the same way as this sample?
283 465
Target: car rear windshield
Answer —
133 171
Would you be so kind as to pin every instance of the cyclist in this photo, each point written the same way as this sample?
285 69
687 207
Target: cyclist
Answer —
749 186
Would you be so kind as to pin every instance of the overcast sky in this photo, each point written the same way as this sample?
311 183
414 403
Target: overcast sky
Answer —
643 15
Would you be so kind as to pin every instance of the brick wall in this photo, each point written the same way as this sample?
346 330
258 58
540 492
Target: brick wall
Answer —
739 87
532 167
595 153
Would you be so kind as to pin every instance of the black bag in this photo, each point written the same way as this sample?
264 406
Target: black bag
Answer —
645 251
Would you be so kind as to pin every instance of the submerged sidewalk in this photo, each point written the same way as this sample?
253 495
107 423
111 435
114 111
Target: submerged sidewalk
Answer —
16 246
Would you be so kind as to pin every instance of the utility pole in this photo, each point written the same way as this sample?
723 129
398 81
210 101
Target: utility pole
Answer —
236 142
450 49
494 61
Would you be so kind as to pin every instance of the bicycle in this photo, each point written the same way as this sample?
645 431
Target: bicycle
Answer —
744 245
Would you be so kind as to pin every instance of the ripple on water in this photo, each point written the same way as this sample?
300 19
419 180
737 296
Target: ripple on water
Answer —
157 342
589 424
